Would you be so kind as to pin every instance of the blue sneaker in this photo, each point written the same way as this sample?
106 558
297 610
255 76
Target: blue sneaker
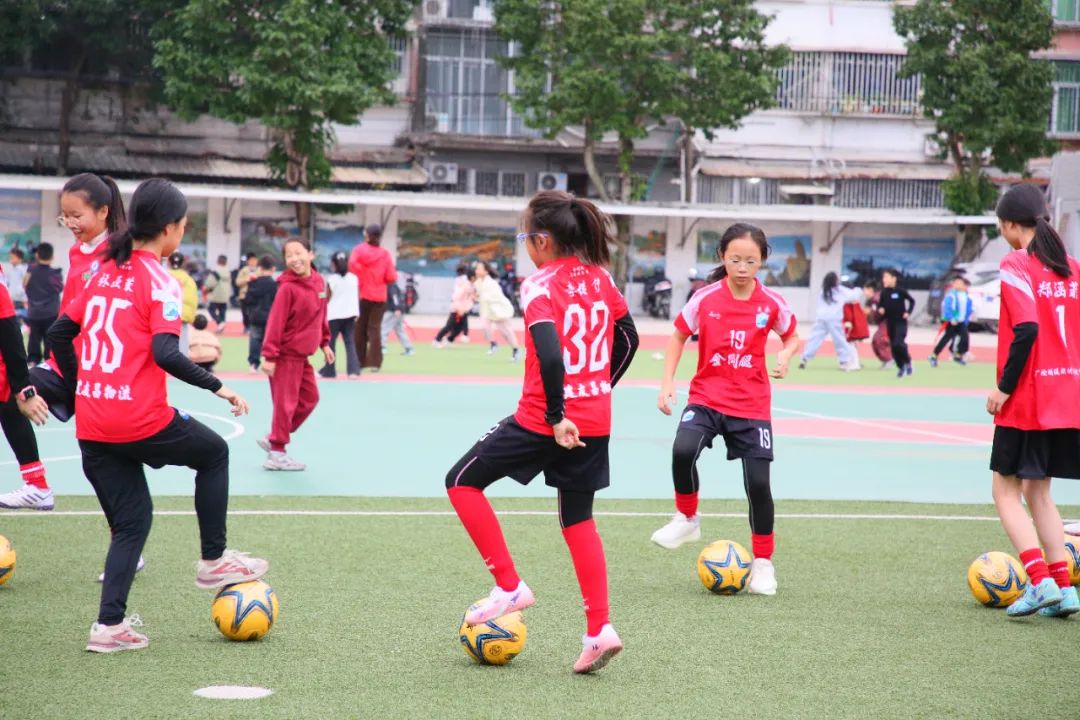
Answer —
933 361
1069 605
1035 598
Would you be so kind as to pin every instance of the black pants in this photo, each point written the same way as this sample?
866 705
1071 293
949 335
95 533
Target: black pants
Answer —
456 324
898 337
345 328
255 341
37 346
116 472
368 334
217 312
959 332
19 433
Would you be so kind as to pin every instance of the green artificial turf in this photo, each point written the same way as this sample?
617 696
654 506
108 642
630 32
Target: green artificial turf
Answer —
873 620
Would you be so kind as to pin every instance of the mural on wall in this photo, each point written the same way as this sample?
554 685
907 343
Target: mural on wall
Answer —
20 219
648 255
266 236
436 248
919 260
788 264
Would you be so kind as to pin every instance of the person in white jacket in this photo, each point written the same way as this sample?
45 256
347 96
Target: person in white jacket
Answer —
829 322
495 310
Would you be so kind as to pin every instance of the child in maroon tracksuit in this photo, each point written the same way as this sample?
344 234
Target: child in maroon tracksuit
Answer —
296 327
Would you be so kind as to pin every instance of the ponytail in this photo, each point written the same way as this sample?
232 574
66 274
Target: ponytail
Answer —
735 232
100 191
1025 205
576 225
1049 248
156 204
828 286
117 219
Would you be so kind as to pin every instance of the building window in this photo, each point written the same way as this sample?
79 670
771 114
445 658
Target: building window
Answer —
847 83
1065 112
487 182
1065 11
851 193
512 184
466 88
738 191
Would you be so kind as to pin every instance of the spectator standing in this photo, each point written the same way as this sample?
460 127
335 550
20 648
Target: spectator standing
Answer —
247 272
257 302
217 292
394 319
43 284
204 348
374 267
14 273
341 311
189 297
956 311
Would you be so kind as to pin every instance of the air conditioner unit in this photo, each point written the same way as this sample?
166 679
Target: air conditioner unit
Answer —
435 9
441 173
551 181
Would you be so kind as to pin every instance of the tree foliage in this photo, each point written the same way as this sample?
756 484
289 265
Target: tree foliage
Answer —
621 66
988 96
297 66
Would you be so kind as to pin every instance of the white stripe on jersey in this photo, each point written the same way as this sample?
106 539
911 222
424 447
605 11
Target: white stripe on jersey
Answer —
164 286
1013 280
785 318
535 286
692 308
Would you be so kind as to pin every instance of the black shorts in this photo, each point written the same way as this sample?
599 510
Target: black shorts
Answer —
54 391
744 438
1036 454
512 451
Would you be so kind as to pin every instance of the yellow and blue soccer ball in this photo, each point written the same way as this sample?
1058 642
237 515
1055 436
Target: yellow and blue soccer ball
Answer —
996 579
7 560
724 567
495 642
245 611
1072 556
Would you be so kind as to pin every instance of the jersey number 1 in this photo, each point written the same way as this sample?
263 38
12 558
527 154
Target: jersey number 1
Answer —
597 354
109 350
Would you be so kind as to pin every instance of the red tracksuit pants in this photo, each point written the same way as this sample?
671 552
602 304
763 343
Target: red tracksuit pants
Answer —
295 394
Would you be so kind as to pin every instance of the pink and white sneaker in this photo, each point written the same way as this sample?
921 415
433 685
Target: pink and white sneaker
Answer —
598 650
500 602
116 638
232 567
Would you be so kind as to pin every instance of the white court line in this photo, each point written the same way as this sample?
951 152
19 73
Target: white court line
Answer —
522 513
885 426
237 431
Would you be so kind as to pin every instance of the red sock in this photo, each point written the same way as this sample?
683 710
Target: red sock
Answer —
475 513
587 553
1060 572
686 503
762 545
1033 563
34 474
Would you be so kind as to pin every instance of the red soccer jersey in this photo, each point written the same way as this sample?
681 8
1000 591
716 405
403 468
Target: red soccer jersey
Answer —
731 377
1046 396
84 260
7 310
121 393
584 304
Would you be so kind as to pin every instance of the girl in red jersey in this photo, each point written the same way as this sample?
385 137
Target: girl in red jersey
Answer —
1035 409
730 393
580 341
129 317
296 328
91 207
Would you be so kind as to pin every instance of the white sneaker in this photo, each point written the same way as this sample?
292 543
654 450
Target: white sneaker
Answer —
680 530
115 638
499 602
140 566
281 461
28 497
264 443
493 349
438 344
232 567
762 577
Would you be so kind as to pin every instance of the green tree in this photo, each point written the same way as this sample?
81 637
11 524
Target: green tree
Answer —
297 66
87 42
988 97
620 66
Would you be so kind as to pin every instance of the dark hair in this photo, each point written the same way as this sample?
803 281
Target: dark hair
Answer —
200 322
17 253
891 271
735 232
44 251
373 232
100 191
829 285
872 284
304 242
176 260
156 204
577 226
267 262
222 259
1025 205
339 263
462 268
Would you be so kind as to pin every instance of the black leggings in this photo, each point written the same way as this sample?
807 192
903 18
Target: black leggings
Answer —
456 324
574 506
19 433
116 472
687 449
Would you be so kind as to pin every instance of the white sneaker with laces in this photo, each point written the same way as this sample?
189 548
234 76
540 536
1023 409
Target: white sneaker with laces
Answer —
264 443
500 602
762 577
28 497
232 567
140 566
680 530
115 638
281 461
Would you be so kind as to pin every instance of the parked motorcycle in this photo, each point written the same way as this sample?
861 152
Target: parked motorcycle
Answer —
511 287
656 298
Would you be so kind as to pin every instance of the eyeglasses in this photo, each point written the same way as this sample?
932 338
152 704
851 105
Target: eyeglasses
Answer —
749 264
64 222
522 237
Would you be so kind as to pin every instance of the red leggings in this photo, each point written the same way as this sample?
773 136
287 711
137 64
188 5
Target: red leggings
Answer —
294 394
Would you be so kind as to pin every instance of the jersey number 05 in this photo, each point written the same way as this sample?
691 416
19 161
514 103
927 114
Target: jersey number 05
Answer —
99 317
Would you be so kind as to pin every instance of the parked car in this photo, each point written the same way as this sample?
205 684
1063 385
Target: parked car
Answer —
986 303
976 273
